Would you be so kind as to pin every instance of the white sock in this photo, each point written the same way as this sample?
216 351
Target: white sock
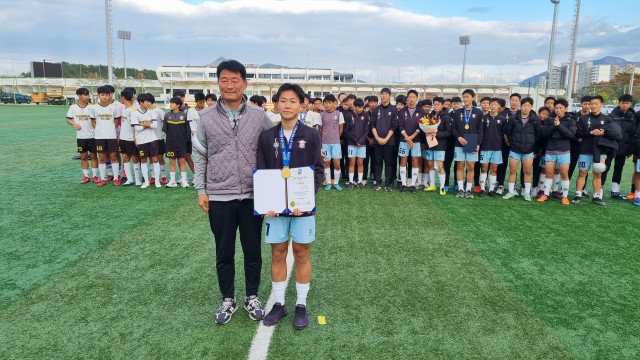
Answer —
615 187
350 177
598 194
469 186
156 170
172 176
103 171
432 178
422 178
637 194
94 171
336 176
556 182
279 289
565 188
302 290
163 171
527 188
116 169
145 171
137 172
127 170
109 169
547 186
327 174
460 185
443 178
542 182
579 193
512 187
183 176
403 175
414 176
85 172
493 182
483 181
360 176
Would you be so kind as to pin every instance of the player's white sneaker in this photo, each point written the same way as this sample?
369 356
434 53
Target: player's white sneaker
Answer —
138 182
144 185
172 184
158 184
184 184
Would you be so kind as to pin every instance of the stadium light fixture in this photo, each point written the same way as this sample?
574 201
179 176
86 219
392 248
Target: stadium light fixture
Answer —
464 41
124 35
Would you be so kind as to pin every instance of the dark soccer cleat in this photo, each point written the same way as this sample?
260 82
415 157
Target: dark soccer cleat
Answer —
618 196
413 190
468 195
556 195
360 186
277 312
301 320
493 193
460 194
482 193
598 202
403 188
576 200
226 310
388 188
350 186
377 187
254 307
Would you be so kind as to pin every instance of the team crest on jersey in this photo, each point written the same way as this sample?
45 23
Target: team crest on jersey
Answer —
473 116
498 121
389 113
335 117
302 143
181 117
601 122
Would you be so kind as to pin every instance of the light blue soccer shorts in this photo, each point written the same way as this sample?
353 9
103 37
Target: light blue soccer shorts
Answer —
491 157
301 228
460 155
332 151
585 161
435 155
637 165
562 159
403 150
357 151
520 157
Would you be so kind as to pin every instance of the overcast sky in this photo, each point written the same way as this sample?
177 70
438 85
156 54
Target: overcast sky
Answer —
388 40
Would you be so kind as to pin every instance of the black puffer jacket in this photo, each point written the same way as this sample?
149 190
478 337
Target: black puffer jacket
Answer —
628 123
559 137
523 137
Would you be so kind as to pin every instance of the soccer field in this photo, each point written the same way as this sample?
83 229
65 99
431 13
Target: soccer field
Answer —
88 272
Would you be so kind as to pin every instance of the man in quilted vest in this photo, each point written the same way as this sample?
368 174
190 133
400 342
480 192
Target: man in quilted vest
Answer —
225 155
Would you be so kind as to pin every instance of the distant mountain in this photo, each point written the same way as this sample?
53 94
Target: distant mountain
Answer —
607 60
217 62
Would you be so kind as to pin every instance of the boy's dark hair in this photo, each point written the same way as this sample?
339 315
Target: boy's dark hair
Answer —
516 95
456 99
345 101
470 92
317 99
564 102
211 96
112 90
295 88
598 97
256 99
358 102
176 100
502 102
474 103
439 99
132 89
625 98
264 99
448 99
366 99
486 98
412 91
401 99
386 90
495 99
544 108
585 99
82 91
420 103
233 66
308 97
351 97
127 94
550 98
199 96
427 102
526 100
142 98
103 90
180 93
330 97
152 99
373 98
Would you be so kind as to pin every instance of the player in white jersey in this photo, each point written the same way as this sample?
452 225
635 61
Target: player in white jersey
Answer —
144 122
79 117
160 135
104 118
307 116
125 143
120 106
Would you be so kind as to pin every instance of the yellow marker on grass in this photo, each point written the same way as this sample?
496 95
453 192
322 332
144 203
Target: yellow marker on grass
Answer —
322 320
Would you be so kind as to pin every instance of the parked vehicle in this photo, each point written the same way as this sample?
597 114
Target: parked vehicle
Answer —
607 109
15 98
52 95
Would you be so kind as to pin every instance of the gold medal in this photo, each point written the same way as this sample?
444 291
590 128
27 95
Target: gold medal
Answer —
286 172
466 127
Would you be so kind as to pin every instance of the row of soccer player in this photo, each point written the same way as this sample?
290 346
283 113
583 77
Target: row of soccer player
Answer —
133 130
428 136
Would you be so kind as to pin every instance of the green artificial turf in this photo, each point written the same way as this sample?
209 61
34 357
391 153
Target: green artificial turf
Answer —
88 272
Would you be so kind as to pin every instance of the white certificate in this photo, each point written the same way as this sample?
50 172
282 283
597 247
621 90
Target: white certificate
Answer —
273 192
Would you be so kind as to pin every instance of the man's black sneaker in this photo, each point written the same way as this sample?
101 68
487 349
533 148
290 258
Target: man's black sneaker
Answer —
226 310
350 186
598 202
301 320
493 193
403 188
576 200
468 194
388 188
482 193
254 307
360 186
585 194
413 190
460 194
618 196
377 187
374 183
277 311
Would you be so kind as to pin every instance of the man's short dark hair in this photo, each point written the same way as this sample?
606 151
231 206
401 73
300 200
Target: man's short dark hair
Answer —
317 99
308 97
470 92
199 96
439 99
358 102
598 97
132 89
351 97
264 99
550 98
401 99
342 93
486 98
82 91
412 91
585 99
526 100
127 94
256 99
211 96
563 102
502 102
456 99
180 93
427 102
152 99
625 98
516 95
330 97
176 100
142 98
233 66
495 99
112 90
295 88
103 90
274 98
373 98
385 90
544 108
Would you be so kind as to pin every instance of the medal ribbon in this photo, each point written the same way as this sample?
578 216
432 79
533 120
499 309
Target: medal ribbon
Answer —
467 117
287 146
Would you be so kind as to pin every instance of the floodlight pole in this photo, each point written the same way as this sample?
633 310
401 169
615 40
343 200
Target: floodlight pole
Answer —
107 10
574 42
552 45
124 35
464 40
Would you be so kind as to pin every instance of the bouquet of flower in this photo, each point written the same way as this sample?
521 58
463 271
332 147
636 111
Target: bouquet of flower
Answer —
429 124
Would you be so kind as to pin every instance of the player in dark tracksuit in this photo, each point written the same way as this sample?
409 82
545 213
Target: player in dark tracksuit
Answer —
436 155
466 121
357 131
494 125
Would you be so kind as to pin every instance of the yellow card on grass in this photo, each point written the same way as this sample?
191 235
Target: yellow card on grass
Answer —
322 320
